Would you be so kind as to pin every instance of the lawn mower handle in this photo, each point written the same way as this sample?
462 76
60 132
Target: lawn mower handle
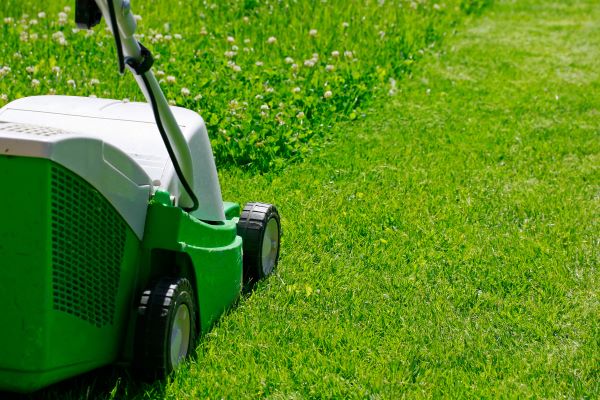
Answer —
133 51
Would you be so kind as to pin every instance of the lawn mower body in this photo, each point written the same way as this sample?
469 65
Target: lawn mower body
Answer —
89 219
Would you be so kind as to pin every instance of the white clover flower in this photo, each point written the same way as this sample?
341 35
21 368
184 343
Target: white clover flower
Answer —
264 107
329 68
392 90
67 9
246 19
269 90
237 68
51 91
294 67
296 90
94 82
313 32
3 97
56 69
62 18
185 91
160 73
309 63
381 34
258 97
246 41
33 36
58 35
30 69
271 40
41 15
171 79
234 48
33 22
23 36
259 63
300 115
89 33
203 31
335 54
71 82
8 20
198 97
172 102
345 24
289 60
327 94
230 39
168 38
35 83
230 54
348 54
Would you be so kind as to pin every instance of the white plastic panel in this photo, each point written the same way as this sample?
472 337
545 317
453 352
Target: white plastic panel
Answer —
113 173
131 128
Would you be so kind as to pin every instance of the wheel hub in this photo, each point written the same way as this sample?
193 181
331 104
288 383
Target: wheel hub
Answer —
270 246
180 335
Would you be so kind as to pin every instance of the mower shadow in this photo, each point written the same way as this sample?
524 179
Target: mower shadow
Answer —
112 382
104 383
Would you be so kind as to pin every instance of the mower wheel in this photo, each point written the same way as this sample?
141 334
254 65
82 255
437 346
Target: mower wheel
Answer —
260 228
165 328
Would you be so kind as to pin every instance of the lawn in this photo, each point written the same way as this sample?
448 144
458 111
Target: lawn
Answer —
442 243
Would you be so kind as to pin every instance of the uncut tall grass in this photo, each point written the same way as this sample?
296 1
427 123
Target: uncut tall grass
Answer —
269 77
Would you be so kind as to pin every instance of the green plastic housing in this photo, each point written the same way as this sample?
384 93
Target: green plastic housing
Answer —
67 267
72 271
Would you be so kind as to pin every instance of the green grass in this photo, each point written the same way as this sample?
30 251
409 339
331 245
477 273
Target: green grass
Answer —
447 245
269 77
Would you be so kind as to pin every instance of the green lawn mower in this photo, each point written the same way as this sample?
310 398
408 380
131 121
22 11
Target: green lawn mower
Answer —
115 243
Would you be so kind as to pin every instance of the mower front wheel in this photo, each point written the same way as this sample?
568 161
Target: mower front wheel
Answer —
260 229
166 327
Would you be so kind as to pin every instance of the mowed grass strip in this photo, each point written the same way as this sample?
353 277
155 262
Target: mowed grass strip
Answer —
447 246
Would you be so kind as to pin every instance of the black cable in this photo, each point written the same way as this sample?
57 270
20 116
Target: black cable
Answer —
165 139
141 68
117 35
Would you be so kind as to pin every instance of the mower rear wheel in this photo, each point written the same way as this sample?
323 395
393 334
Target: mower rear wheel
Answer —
166 327
260 228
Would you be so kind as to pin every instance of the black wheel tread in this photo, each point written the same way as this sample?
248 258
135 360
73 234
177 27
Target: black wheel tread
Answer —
153 325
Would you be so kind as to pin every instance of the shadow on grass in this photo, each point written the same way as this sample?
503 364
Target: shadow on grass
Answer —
114 382
104 383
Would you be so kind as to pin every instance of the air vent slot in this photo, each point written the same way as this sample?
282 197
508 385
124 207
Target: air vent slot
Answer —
88 238
32 129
